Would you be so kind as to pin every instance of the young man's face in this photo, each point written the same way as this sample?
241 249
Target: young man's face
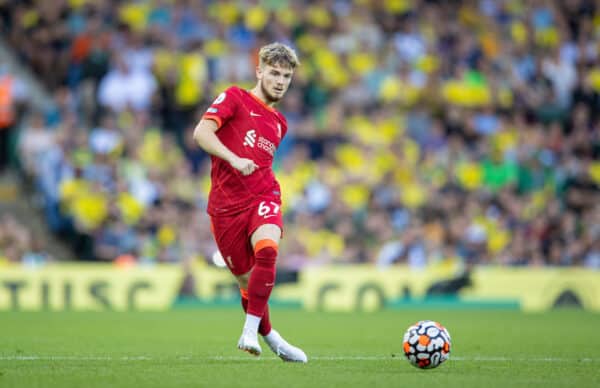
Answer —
274 80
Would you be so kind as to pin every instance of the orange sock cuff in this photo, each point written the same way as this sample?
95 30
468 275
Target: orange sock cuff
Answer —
244 293
266 243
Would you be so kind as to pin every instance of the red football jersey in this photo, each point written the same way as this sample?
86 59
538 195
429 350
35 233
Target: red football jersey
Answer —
250 129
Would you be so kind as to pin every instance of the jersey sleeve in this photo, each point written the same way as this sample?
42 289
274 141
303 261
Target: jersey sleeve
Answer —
222 108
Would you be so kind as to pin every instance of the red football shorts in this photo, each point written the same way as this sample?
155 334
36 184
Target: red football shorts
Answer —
232 233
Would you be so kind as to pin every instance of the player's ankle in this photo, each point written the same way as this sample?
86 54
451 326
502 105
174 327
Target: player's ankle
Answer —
273 335
268 334
252 323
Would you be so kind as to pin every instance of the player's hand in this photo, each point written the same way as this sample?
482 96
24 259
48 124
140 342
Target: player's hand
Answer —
245 166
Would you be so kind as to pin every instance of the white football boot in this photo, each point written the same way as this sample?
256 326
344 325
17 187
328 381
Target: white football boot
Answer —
249 343
283 349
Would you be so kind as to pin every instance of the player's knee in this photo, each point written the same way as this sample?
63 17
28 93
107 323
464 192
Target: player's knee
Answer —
265 252
266 257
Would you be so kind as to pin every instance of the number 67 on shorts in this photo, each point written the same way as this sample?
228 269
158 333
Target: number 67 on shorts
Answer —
268 209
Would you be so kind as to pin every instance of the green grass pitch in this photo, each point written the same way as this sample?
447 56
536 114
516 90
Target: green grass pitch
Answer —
197 348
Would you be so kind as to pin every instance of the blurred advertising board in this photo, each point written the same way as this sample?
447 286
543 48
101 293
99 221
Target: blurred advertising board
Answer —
88 287
338 288
365 288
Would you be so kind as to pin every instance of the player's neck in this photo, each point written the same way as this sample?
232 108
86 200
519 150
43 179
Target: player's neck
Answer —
256 91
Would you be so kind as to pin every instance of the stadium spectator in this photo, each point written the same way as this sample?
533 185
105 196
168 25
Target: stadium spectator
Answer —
18 245
12 99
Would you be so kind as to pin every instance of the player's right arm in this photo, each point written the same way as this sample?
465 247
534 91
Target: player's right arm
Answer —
205 136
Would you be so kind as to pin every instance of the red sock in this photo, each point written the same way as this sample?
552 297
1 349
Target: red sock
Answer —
262 278
265 323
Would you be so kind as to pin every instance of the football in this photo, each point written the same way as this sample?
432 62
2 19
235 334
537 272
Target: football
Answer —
426 344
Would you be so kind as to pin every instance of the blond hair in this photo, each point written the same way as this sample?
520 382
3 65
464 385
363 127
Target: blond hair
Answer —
278 54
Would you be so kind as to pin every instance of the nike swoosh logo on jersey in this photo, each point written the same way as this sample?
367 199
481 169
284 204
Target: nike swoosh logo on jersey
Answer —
269 216
254 114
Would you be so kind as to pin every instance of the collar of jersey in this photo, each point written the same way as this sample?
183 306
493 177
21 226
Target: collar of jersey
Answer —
260 101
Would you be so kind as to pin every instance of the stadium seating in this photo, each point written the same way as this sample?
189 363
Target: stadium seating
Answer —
471 141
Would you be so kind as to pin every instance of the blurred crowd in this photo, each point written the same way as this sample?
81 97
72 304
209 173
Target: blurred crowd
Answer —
18 244
420 132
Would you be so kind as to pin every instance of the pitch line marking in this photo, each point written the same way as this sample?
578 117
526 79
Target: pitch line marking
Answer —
314 358
383 358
